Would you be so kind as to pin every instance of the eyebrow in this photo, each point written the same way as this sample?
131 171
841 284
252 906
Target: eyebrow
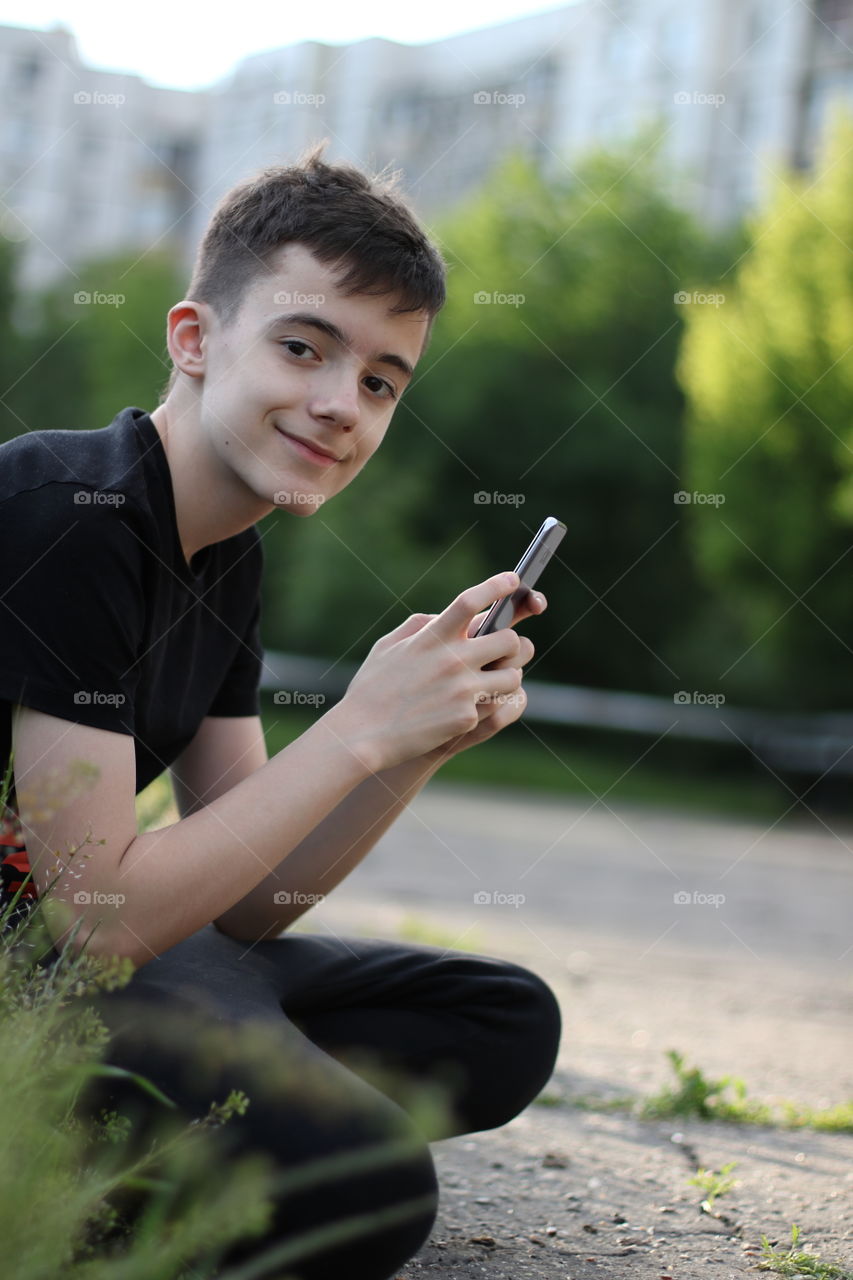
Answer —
337 334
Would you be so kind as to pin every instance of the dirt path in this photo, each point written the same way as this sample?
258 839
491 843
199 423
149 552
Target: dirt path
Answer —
757 987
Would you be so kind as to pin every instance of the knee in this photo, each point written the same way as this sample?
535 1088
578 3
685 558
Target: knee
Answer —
528 1054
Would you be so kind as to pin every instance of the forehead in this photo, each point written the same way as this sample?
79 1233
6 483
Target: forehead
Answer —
297 281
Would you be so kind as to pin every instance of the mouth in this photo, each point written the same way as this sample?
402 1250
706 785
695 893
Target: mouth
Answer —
310 452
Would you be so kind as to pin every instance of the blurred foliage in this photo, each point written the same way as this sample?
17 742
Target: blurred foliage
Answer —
769 380
80 361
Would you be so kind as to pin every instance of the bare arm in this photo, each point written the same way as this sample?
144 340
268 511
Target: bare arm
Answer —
327 854
414 693
343 839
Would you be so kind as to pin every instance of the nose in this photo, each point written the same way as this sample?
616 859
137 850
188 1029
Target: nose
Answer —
337 402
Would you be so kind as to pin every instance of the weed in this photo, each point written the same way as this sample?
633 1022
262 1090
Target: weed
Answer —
796 1262
696 1095
713 1184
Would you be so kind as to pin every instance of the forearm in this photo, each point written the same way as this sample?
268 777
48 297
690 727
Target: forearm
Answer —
329 853
179 878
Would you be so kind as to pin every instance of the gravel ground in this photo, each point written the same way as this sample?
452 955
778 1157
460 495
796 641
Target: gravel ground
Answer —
566 1194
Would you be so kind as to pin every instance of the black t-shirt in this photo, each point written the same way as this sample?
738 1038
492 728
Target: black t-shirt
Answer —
102 622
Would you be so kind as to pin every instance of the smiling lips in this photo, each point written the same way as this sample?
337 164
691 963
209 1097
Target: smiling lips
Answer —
311 452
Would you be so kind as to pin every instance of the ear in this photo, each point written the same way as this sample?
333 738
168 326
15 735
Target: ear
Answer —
188 324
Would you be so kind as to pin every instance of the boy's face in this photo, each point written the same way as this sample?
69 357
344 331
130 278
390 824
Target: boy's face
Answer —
302 362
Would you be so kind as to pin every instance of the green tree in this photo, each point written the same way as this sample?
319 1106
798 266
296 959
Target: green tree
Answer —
768 377
97 343
552 385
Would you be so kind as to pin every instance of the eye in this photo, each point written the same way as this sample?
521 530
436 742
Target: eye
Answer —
390 393
290 343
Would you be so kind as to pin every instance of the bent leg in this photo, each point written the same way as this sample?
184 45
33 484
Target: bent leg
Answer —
486 1028
303 1106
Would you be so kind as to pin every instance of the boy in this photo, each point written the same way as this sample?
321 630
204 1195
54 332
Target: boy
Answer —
130 642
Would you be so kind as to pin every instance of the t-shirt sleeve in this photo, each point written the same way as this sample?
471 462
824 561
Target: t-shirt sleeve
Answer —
239 693
72 611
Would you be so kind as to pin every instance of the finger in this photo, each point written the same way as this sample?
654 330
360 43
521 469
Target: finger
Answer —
499 684
521 659
532 604
456 618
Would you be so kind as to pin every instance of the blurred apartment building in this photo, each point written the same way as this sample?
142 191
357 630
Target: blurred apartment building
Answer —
93 162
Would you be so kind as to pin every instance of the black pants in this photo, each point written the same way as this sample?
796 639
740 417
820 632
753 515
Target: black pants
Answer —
484 1032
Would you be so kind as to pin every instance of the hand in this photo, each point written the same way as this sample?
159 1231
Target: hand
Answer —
496 714
431 680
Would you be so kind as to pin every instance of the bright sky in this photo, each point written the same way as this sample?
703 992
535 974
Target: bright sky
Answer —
187 46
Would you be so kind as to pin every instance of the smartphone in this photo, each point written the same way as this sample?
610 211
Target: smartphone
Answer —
528 569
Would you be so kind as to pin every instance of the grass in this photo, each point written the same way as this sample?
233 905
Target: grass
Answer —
797 1262
694 1095
536 757
713 1184
105 1206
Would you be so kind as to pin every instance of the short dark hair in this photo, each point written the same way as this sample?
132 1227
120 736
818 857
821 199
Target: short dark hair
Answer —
342 215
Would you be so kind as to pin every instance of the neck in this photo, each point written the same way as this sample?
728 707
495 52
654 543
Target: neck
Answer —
211 501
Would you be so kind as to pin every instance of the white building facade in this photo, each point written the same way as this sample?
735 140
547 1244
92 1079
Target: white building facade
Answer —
737 91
